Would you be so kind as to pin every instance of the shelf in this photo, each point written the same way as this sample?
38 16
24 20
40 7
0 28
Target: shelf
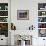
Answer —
3 22
41 22
3 16
41 10
41 28
3 10
42 16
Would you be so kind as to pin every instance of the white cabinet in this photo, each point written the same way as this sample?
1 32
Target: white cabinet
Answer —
42 24
3 40
4 21
41 41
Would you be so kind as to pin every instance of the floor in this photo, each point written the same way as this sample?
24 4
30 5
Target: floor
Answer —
3 45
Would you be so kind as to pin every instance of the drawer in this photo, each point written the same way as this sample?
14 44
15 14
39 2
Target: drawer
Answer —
3 41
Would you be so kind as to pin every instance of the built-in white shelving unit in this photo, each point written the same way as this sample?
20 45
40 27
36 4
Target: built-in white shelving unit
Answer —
4 19
42 19
4 22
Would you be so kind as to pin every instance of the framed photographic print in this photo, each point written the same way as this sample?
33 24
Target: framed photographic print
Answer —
22 14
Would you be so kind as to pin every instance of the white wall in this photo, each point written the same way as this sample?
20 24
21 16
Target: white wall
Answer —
32 6
24 24
23 5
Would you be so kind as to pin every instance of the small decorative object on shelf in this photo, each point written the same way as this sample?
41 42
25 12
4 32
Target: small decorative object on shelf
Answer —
41 6
42 19
13 27
6 7
42 32
3 13
41 25
43 13
31 27
4 29
3 6
3 19
0 7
